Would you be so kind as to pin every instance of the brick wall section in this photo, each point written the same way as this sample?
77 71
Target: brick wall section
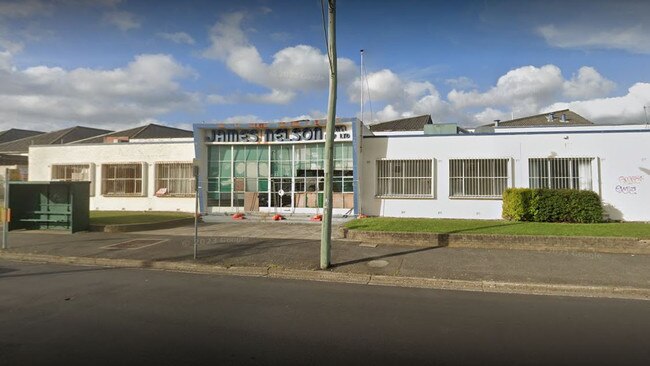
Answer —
543 243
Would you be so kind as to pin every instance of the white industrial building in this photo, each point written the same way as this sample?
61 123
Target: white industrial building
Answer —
463 176
147 168
406 168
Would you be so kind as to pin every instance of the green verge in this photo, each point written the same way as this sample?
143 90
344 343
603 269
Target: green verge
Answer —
449 226
133 217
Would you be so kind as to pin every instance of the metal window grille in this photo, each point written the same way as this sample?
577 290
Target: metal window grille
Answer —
411 178
560 173
175 179
122 179
483 178
74 172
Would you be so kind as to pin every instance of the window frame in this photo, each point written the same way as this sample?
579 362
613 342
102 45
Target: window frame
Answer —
573 180
495 182
159 182
383 166
90 170
141 179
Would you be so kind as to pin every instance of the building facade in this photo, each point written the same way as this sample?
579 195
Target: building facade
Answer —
279 167
276 167
138 175
464 176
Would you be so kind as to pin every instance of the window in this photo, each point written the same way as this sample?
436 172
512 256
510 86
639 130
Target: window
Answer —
174 179
75 172
411 178
71 172
483 178
557 173
122 179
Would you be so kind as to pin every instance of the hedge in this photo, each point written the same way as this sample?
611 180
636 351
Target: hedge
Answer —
551 205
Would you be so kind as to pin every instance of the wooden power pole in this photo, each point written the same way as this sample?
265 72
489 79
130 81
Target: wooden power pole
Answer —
326 231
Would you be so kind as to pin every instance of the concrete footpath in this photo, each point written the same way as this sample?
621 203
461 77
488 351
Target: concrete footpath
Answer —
291 250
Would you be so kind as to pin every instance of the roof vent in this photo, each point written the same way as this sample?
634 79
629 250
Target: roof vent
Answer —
550 117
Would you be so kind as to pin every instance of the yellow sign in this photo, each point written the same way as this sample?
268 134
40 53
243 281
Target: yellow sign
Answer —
5 214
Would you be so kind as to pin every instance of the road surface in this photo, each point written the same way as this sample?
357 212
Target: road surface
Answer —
52 314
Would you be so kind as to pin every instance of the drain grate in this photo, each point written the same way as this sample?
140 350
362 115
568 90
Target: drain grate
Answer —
135 244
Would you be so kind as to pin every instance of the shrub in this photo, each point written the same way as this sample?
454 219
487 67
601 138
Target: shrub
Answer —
516 204
585 206
552 205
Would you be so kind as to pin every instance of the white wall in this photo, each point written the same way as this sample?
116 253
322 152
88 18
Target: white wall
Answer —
41 159
620 172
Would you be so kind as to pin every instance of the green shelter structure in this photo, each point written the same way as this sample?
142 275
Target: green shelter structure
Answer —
49 206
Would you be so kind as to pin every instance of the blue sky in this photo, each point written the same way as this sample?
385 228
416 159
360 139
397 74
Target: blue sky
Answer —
115 64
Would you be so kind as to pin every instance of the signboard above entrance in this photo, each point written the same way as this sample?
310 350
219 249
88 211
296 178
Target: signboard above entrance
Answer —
277 135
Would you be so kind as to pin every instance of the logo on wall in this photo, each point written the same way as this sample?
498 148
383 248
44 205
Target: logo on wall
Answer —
304 134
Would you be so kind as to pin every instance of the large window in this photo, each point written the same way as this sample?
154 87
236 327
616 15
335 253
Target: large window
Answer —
411 178
220 176
122 179
76 172
174 179
253 176
480 178
558 173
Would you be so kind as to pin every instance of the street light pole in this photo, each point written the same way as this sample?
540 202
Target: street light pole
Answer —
195 171
326 231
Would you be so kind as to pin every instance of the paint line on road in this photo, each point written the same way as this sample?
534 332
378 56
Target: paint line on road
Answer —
134 244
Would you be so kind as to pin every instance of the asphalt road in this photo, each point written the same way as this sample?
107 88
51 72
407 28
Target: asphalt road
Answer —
51 314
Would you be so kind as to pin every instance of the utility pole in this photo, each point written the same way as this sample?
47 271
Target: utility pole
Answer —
646 115
326 231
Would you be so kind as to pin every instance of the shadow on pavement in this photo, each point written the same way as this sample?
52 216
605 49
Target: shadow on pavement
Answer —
238 250
50 272
389 255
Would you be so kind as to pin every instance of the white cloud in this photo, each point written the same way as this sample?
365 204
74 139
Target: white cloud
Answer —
623 109
146 87
461 83
525 90
387 113
522 91
10 46
5 61
123 20
178 37
248 118
402 98
588 83
490 114
251 118
633 38
293 69
274 97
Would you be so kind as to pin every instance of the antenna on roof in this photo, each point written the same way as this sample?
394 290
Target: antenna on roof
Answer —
361 79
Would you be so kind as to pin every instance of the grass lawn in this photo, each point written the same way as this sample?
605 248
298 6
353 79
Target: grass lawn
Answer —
136 217
449 226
